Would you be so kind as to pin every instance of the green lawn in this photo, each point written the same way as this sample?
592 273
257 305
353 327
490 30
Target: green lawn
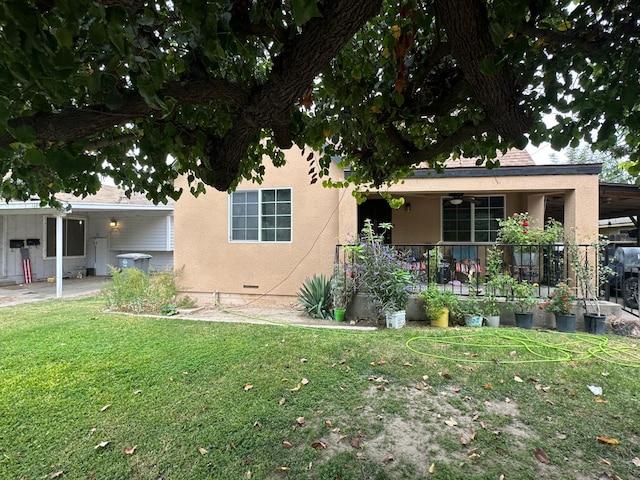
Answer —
202 400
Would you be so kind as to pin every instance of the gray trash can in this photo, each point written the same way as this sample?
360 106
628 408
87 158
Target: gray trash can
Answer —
134 260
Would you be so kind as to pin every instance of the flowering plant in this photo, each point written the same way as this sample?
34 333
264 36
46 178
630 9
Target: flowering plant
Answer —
381 271
521 229
561 299
522 297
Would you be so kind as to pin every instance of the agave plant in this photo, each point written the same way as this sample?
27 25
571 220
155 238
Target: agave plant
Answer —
315 296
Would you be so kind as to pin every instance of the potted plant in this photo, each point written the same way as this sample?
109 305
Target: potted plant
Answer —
494 287
560 303
472 311
522 298
341 291
382 273
526 236
590 275
490 306
438 303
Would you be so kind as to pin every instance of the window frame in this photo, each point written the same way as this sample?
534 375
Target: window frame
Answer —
65 228
261 216
472 219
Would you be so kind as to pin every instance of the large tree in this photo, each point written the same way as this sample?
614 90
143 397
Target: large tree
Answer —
145 91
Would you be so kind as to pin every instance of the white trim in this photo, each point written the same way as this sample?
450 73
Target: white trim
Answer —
259 190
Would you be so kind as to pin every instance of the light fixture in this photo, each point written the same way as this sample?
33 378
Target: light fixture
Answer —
407 207
455 201
113 223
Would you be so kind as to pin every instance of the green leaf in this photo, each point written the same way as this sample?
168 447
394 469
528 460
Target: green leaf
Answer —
304 10
34 156
23 133
64 37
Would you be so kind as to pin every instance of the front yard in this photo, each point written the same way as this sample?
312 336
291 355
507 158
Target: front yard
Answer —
86 394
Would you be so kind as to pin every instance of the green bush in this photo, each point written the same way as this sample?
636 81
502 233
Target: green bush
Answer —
132 290
315 297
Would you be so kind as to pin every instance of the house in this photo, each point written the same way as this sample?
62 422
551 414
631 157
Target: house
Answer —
94 231
260 243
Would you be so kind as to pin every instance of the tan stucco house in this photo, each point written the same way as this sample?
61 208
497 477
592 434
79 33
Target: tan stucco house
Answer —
261 242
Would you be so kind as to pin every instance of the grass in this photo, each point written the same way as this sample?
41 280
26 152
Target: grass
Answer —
215 400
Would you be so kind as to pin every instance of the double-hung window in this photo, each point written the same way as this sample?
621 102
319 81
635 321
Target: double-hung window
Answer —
73 237
475 221
260 215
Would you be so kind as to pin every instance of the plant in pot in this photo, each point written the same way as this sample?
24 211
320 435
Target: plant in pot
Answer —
526 236
382 273
472 311
521 299
438 304
341 291
490 306
591 274
561 303
494 286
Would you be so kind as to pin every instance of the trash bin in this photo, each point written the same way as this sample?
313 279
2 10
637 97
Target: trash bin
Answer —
134 260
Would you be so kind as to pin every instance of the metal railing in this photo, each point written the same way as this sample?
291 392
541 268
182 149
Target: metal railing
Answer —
454 265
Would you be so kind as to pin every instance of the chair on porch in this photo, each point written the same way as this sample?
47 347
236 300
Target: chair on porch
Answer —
466 261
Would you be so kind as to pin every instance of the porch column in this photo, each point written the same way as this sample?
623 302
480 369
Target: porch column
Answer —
59 256
535 207
581 211
347 215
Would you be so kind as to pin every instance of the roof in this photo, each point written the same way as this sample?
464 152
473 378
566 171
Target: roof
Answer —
513 158
108 197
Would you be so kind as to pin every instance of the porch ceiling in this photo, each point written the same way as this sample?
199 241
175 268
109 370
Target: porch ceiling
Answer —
615 200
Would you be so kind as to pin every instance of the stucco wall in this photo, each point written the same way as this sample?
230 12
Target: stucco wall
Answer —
236 271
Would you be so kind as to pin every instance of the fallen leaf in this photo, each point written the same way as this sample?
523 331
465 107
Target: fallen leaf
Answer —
432 468
605 374
380 387
101 445
561 436
507 400
282 401
355 443
283 469
605 461
341 361
336 430
130 450
600 400
407 364
636 461
463 441
247 474
300 420
297 388
319 445
137 392
610 441
512 353
501 477
202 450
542 456
56 474
382 362
488 386
447 376
456 390
388 458
303 360
517 379
287 444
304 381
451 422
106 407
257 425
247 387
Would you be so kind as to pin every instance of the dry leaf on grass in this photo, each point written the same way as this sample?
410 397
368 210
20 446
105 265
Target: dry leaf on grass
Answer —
610 441
636 461
542 456
130 450
287 444
106 407
101 445
56 474
202 450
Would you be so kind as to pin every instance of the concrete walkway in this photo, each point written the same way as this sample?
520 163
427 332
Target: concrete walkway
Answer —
37 291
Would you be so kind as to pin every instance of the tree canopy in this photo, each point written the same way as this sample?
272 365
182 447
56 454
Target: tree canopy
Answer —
613 170
145 91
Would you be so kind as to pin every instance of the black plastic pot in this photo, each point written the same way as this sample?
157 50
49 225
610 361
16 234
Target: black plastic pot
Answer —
594 323
566 323
524 320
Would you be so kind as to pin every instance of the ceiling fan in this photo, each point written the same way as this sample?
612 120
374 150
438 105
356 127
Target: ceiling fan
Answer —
458 198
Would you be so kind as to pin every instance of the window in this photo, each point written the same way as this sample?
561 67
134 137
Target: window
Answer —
472 222
261 215
73 237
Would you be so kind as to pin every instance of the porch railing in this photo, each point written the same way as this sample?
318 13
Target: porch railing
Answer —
453 265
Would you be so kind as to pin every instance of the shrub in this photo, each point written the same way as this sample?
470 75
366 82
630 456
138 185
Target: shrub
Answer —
132 290
315 297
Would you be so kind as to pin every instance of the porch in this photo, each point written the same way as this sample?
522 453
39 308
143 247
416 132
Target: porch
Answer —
462 268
